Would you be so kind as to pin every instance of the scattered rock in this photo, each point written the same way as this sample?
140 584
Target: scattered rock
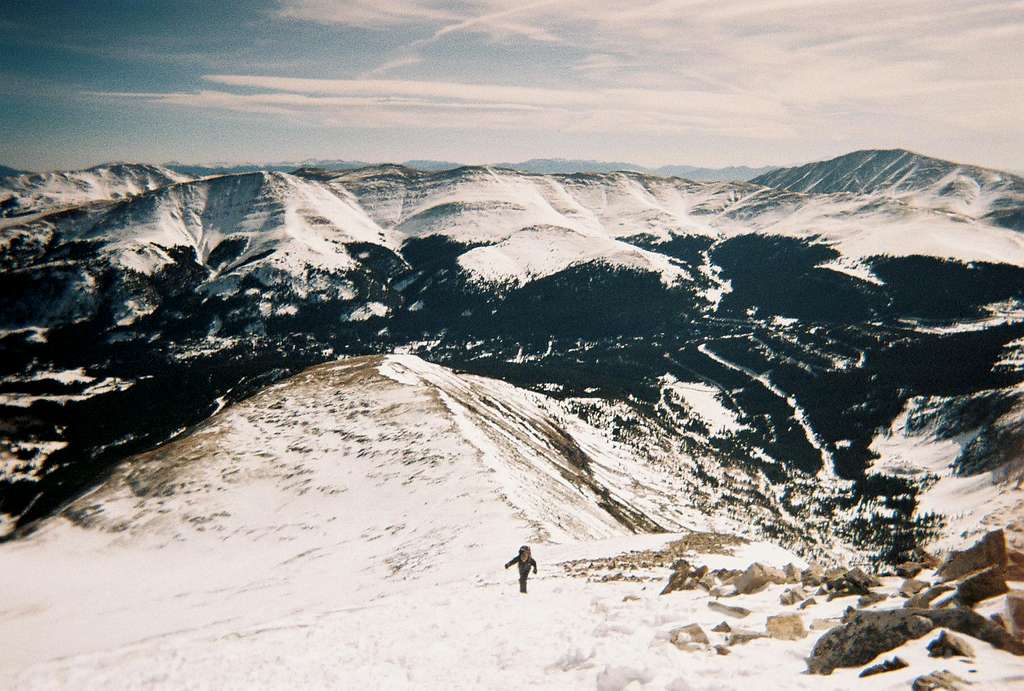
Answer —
631 598
864 636
722 650
948 645
809 602
890 665
982 585
707 582
791 596
911 587
853 582
730 610
908 569
722 628
786 627
945 680
1014 613
870 599
792 573
680 578
989 551
756 577
740 636
924 598
690 637
923 557
812 576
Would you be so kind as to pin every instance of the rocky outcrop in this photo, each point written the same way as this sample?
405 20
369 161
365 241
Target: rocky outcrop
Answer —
989 551
865 635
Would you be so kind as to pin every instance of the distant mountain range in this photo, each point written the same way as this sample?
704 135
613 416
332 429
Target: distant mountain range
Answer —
541 166
781 347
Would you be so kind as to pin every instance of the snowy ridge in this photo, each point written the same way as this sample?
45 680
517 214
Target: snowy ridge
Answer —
916 180
22 194
348 527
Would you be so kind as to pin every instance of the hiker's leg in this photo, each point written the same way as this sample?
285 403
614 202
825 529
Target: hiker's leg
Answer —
522 584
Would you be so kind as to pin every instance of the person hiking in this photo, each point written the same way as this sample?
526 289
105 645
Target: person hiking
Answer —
525 562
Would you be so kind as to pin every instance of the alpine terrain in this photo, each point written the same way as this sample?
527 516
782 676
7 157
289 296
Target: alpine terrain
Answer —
283 429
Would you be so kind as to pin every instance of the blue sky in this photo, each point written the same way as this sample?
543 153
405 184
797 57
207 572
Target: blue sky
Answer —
700 82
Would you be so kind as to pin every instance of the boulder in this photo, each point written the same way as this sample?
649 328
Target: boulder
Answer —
707 582
1013 614
989 551
786 627
908 569
792 573
864 636
945 680
732 611
870 599
982 585
1014 565
890 665
791 596
740 636
809 602
925 597
756 577
852 582
911 586
823 624
949 645
723 627
722 649
924 557
690 637
680 578
969 622
812 576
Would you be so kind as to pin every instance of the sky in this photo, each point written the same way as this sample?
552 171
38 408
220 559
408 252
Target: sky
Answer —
696 82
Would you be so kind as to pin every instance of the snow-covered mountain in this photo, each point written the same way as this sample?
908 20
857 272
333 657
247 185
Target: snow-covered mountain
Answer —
765 343
348 526
918 181
23 194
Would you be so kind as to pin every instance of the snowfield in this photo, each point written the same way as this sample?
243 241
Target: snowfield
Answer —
347 528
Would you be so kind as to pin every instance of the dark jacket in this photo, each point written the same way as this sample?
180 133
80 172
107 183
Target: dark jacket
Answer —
524 566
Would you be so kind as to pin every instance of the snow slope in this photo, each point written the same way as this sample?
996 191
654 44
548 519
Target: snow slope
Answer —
916 180
21 194
346 528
